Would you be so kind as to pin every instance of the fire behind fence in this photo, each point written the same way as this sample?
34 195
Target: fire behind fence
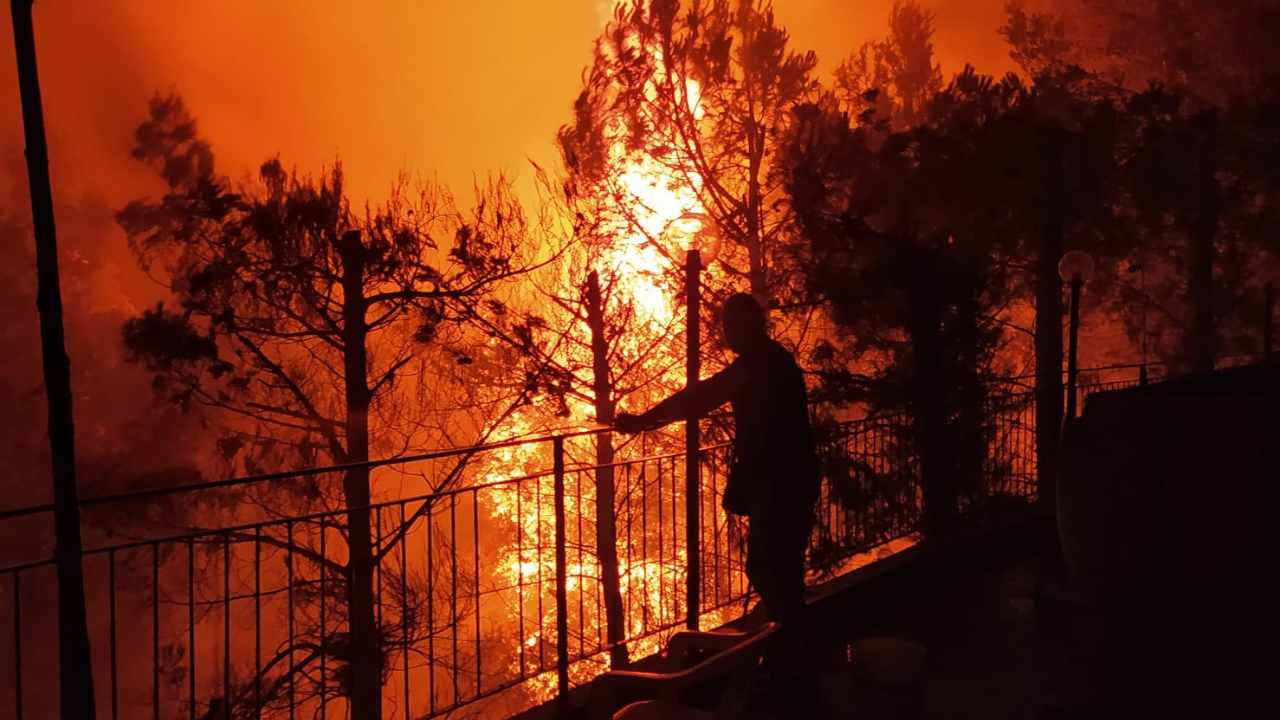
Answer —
490 593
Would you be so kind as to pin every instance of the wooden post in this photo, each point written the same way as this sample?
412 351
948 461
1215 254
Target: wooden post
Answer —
692 467
562 593
75 668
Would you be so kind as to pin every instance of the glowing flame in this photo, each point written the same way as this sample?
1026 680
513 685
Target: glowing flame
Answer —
638 255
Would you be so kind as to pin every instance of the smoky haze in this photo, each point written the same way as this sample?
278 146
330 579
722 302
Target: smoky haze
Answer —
446 90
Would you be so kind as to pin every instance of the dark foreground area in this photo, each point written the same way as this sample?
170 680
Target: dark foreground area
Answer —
983 633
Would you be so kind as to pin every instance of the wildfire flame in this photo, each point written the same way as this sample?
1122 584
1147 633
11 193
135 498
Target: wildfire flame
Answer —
638 255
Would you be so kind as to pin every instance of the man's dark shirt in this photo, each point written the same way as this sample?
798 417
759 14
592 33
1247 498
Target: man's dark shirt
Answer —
772 444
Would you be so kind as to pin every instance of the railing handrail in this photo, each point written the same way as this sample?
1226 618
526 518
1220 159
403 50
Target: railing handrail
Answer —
380 505
306 472
383 462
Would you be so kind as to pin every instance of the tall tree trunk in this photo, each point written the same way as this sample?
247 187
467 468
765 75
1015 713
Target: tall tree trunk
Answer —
75 668
365 658
1200 349
606 528
1048 341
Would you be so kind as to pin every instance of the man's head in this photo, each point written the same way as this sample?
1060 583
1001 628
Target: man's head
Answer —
743 322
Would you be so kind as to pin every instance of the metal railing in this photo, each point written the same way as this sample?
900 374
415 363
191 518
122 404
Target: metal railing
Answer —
487 593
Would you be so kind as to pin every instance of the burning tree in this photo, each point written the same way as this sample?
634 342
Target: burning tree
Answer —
299 320
707 92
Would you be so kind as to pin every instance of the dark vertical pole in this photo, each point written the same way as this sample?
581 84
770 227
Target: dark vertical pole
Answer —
929 402
693 369
75 668
562 594
115 678
1048 340
17 644
257 622
1073 347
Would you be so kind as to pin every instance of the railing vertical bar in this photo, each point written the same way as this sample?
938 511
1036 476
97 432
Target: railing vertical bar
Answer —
715 530
537 524
582 610
644 555
600 611
662 549
155 630
226 626
404 605
257 621
111 601
431 613
320 569
562 611
289 601
629 614
453 587
475 548
377 568
17 643
191 624
520 572
675 538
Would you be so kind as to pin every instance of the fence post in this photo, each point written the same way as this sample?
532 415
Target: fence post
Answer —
562 594
692 442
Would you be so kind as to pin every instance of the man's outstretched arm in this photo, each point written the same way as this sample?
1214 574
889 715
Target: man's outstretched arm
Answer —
697 400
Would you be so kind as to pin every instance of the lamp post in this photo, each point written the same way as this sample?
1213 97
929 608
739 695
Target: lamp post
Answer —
1075 268
700 241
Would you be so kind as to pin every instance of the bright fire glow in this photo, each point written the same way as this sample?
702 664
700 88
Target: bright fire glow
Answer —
639 253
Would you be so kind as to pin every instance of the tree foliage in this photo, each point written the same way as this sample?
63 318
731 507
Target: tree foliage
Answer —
893 80
310 326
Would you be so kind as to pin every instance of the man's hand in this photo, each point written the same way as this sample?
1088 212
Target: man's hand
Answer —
628 423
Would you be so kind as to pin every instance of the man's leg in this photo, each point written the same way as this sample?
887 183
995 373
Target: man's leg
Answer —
791 544
775 566
761 566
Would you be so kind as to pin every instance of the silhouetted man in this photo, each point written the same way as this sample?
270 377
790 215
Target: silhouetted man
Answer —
774 476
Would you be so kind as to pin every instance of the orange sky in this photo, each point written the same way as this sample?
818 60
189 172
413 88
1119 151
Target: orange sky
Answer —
446 89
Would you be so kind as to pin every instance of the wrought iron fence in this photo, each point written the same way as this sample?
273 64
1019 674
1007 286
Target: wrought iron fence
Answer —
489 593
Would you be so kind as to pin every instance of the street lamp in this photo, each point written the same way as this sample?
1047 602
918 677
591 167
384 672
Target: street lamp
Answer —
1075 268
700 239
